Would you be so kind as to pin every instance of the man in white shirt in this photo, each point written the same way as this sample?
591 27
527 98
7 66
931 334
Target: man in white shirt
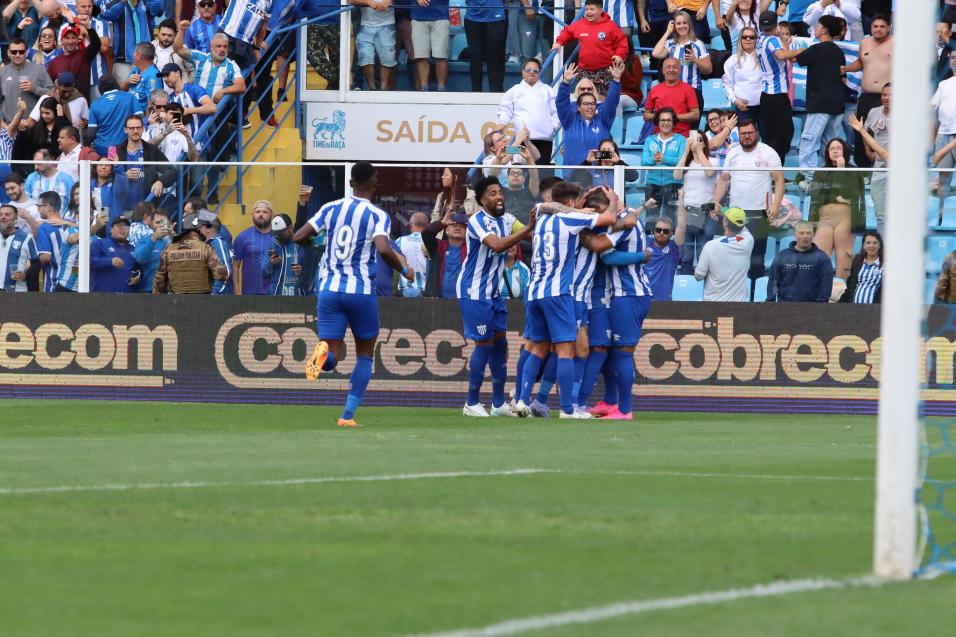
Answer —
724 263
530 104
849 10
68 161
166 54
944 106
29 217
750 190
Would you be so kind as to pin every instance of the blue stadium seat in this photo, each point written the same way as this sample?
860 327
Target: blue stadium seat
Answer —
716 41
772 249
634 198
870 213
760 289
857 244
714 95
797 131
687 288
632 132
949 214
617 130
937 248
458 44
932 211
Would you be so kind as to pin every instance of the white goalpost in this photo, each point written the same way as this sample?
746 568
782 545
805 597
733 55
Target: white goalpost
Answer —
895 541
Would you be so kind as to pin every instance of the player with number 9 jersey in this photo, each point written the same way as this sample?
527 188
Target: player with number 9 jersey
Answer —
357 230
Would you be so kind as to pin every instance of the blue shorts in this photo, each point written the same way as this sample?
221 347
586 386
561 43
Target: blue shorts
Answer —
483 318
599 326
552 320
527 320
626 317
337 310
581 313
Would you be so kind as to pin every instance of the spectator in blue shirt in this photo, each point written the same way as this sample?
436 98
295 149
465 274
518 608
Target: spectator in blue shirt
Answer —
447 254
211 229
132 24
200 32
144 77
251 250
108 113
283 270
802 272
112 261
666 148
150 247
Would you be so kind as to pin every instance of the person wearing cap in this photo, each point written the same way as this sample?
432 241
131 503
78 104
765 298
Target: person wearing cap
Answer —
283 270
446 254
107 125
104 52
144 77
112 261
211 229
724 262
776 126
802 272
194 100
149 248
21 79
188 265
75 61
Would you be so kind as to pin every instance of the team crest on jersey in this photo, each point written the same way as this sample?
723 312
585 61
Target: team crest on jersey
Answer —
482 330
491 225
16 245
602 35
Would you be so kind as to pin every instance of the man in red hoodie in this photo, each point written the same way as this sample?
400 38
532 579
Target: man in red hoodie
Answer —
600 43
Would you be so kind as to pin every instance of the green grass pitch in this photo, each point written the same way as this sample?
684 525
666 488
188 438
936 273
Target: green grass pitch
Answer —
667 506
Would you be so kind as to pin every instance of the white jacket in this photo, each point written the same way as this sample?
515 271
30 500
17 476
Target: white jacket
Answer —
531 106
743 81
849 10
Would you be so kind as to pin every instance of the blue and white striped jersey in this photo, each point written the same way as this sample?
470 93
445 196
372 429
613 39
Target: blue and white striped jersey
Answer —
555 248
629 280
480 276
349 262
224 252
776 78
211 76
413 249
60 183
17 249
190 97
103 29
689 72
68 267
586 264
199 34
50 240
622 12
243 19
868 281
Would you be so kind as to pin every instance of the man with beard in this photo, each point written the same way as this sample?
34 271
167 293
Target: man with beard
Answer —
166 53
17 248
357 231
491 232
73 59
251 251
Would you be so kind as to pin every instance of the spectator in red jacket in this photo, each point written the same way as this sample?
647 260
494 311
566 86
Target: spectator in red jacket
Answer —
600 41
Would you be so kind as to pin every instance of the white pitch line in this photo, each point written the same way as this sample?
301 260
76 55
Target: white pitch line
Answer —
269 483
146 486
611 611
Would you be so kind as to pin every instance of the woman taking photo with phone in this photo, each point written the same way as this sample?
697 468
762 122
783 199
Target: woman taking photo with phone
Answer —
680 42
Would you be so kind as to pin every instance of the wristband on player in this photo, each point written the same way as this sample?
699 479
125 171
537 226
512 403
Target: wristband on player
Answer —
404 270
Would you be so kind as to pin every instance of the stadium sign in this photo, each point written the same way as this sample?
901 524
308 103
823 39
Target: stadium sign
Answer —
692 356
400 132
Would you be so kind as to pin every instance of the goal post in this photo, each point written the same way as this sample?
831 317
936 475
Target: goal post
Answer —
897 479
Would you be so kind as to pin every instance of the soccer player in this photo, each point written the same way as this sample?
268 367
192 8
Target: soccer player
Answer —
346 296
552 313
624 251
491 232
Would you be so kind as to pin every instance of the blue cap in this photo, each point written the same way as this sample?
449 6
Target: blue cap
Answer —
172 67
66 78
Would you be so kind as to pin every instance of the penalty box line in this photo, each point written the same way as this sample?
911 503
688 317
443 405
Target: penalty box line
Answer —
152 486
636 607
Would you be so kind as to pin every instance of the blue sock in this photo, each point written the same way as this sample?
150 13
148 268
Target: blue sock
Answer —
499 372
566 383
578 377
624 367
531 368
522 357
591 370
476 372
358 381
330 362
548 377
610 382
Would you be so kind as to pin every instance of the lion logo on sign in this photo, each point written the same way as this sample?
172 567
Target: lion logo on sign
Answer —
329 130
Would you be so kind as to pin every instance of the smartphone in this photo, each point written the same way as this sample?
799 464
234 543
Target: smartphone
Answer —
111 153
687 50
178 118
604 154
273 253
513 150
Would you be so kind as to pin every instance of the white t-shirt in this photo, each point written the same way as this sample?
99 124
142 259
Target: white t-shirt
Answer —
698 187
750 190
79 109
944 104
31 207
723 266
68 163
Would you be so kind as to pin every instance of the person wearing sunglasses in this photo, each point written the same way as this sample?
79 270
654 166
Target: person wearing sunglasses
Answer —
743 78
200 32
21 79
530 103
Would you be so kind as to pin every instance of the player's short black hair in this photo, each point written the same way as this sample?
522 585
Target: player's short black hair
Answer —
484 184
599 3
564 191
363 172
52 199
549 182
